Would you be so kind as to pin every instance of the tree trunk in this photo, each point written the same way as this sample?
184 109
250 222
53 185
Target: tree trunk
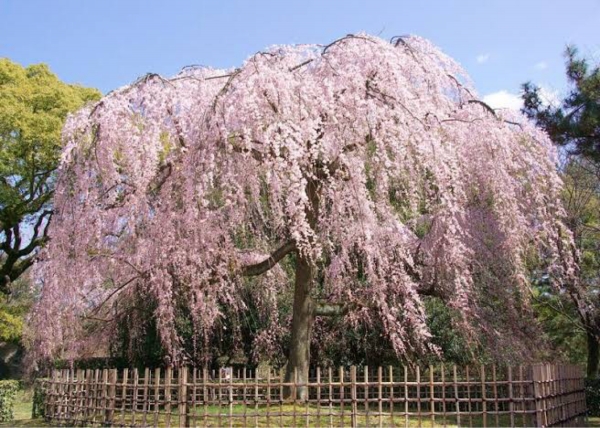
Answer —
302 321
593 357
303 315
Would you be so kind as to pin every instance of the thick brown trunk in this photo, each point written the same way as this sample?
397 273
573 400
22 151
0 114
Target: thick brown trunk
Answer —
593 348
302 321
303 316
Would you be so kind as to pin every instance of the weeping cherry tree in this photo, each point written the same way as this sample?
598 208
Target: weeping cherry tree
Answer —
359 176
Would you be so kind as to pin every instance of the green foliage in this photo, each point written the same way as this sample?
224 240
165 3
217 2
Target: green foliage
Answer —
557 312
582 203
8 390
441 321
561 326
576 122
11 325
13 314
38 409
592 396
33 106
95 363
13 309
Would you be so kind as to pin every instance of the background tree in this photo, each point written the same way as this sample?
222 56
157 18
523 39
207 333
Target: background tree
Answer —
582 202
358 177
14 308
575 126
33 106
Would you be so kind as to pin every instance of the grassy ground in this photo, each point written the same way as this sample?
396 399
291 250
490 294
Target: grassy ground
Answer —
308 416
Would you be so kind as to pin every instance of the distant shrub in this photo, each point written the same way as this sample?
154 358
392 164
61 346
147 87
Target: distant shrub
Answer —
95 363
8 390
592 396
38 409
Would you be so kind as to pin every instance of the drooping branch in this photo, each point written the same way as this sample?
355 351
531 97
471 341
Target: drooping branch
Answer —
116 290
484 105
269 262
493 112
164 173
36 239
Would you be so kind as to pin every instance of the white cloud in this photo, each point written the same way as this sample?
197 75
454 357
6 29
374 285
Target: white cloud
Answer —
503 99
549 96
483 58
542 65
507 100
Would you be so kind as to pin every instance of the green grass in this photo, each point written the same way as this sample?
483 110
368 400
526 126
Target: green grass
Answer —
308 416
299 415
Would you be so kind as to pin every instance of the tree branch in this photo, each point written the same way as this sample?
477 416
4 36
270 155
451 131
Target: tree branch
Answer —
35 242
269 262
330 310
493 112
113 292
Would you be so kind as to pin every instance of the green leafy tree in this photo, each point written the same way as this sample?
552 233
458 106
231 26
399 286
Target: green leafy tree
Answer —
562 328
571 320
575 123
13 312
582 202
33 106
15 307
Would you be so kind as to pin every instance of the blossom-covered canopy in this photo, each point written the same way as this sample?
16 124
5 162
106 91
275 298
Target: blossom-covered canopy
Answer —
372 163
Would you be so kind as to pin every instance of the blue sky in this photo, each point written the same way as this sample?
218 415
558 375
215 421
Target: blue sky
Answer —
109 43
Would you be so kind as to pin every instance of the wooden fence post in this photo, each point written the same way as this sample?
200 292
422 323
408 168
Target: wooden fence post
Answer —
456 395
88 411
431 395
58 394
112 394
50 407
98 390
168 381
146 396
124 384
156 395
65 391
104 396
483 396
536 378
182 393
366 393
134 398
69 395
353 396
511 405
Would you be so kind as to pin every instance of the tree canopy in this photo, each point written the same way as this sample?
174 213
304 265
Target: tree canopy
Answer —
33 106
582 204
362 174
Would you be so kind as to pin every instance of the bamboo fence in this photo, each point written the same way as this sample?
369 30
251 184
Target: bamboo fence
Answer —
538 395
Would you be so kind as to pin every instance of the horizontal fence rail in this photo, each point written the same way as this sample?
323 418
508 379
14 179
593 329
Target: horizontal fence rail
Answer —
539 395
